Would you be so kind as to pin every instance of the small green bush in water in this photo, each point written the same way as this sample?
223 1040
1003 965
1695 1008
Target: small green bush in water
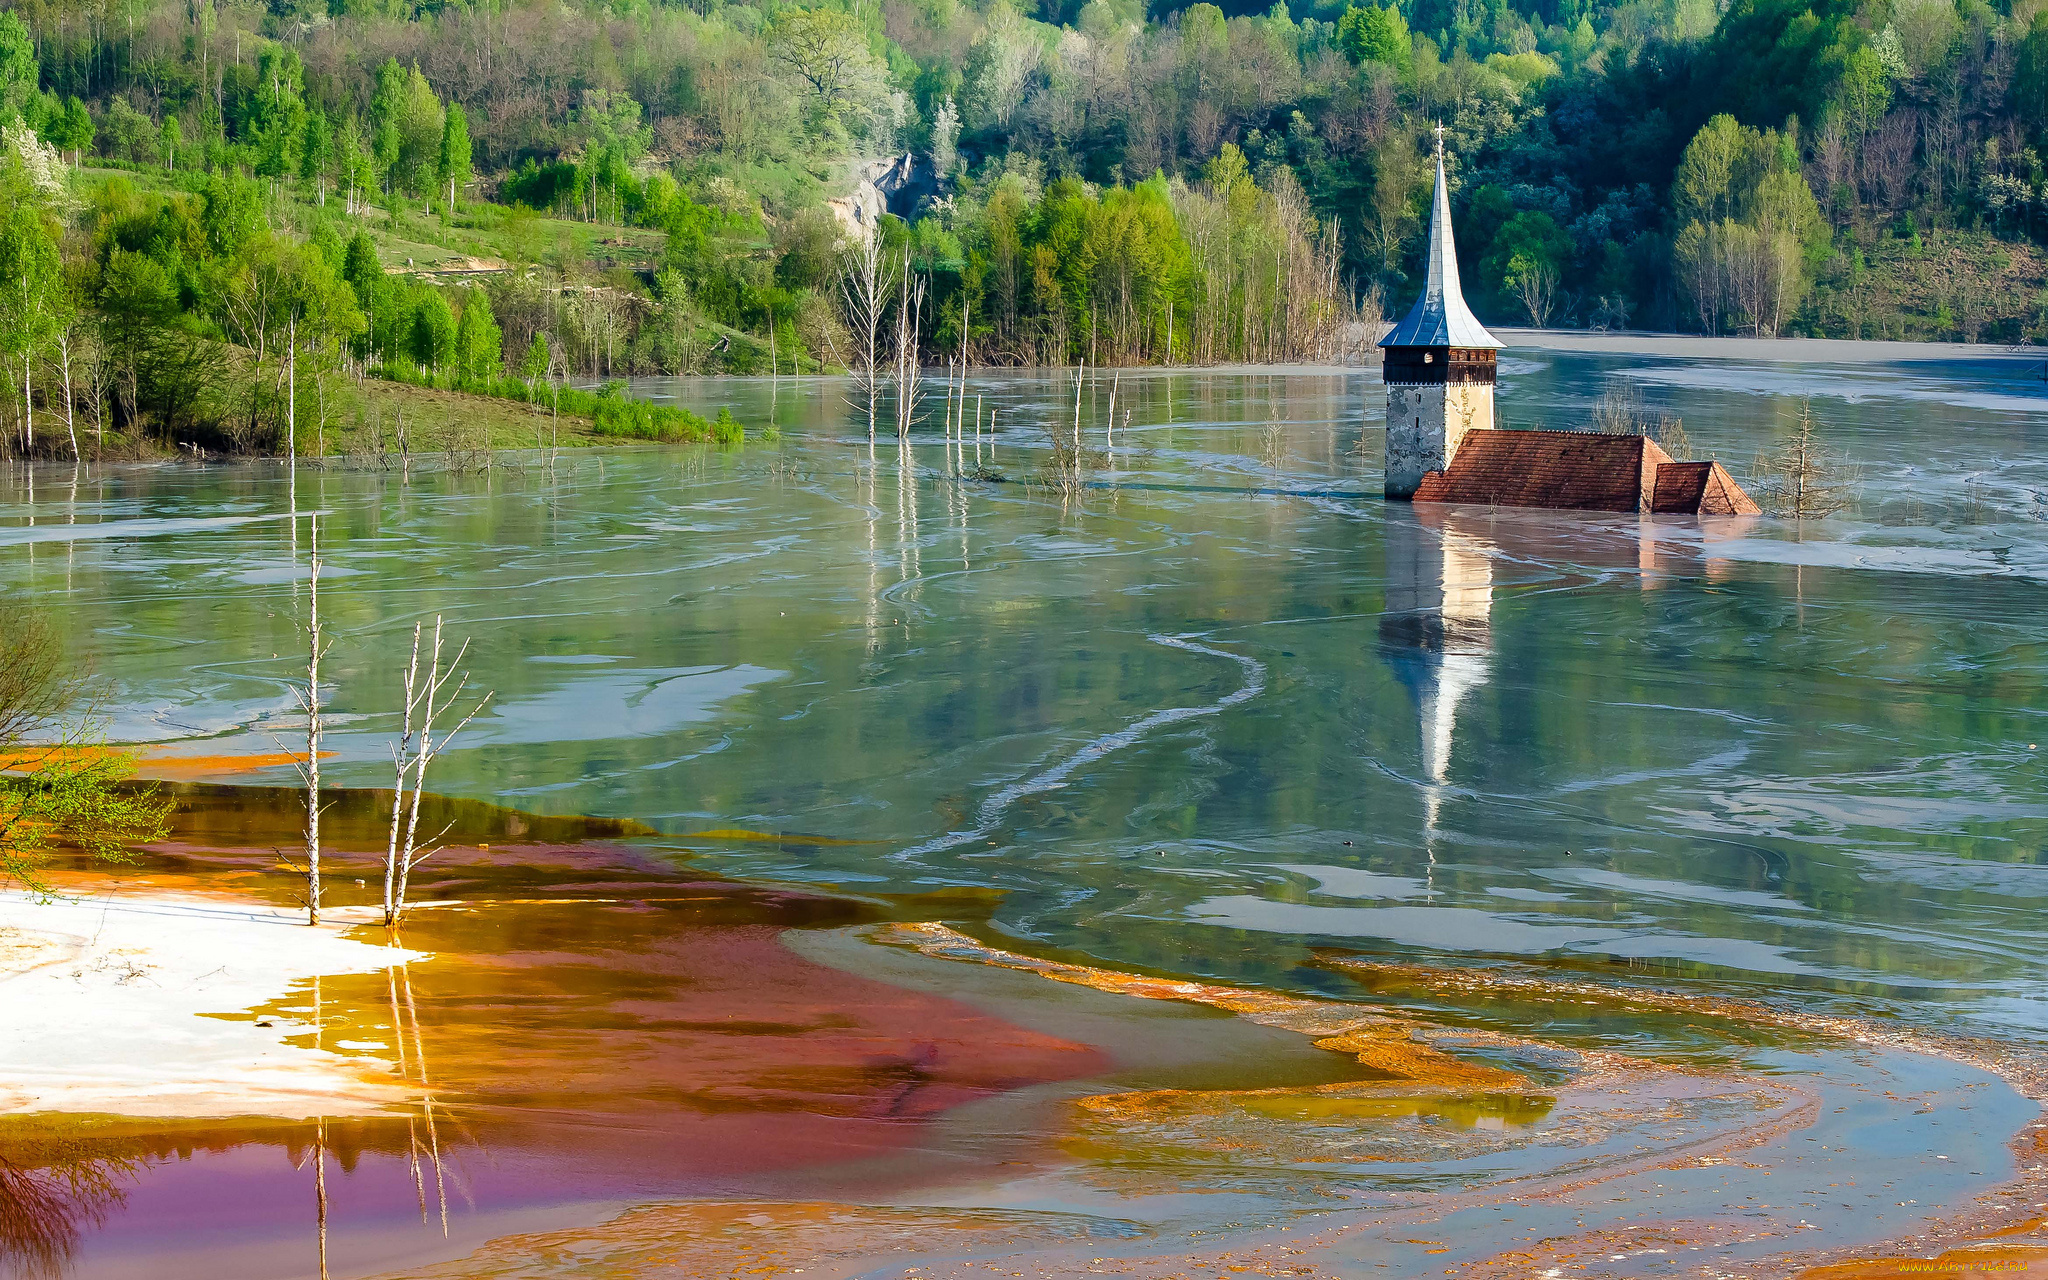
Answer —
613 413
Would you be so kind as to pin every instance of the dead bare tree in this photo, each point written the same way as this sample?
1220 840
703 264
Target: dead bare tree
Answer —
910 292
309 701
425 701
70 426
1802 478
1622 411
866 289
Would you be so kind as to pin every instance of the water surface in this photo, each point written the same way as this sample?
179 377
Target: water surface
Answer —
1226 706
1219 712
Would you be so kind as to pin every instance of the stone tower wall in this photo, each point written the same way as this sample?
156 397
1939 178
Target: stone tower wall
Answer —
1425 425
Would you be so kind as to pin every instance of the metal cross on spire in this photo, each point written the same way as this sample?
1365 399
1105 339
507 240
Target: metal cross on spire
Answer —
1439 139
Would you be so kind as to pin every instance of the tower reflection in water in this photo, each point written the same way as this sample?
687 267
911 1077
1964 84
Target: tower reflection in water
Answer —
1442 568
1437 631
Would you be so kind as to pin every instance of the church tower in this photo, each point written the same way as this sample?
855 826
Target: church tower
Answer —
1439 364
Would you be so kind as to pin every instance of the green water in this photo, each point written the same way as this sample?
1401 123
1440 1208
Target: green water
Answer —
1220 708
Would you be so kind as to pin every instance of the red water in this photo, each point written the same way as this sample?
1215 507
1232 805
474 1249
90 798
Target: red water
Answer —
595 1027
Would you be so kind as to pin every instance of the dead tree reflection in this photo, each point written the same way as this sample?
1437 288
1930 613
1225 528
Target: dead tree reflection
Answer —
48 1201
423 1127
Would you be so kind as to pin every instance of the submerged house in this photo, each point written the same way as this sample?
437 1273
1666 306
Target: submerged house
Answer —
1442 445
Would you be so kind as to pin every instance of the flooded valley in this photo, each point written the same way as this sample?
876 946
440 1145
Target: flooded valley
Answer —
1205 868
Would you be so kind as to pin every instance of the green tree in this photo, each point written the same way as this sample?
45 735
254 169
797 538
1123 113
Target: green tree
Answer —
1864 88
1750 231
127 132
32 294
2028 94
1772 58
455 151
316 154
18 73
1704 187
276 123
409 122
828 51
361 270
479 343
533 366
231 213
1525 259
355 164
64 787
72 130
1372 34
170 138
432 340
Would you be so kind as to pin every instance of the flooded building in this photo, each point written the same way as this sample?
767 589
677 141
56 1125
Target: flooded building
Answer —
1443 446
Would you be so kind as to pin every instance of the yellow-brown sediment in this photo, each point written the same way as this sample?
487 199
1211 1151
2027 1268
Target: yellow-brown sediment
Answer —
1408 1059
754 1239
1373 1100
740 834
2020 1262
155 762
1388 1045
1999 1214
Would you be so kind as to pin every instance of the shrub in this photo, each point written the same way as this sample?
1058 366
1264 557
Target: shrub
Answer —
613 413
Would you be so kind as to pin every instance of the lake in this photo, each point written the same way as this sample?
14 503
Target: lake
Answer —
1219 714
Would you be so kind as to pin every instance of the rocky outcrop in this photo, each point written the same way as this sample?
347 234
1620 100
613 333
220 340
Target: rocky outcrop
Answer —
892 184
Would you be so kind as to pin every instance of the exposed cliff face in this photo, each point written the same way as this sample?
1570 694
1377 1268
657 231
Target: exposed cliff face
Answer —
892 184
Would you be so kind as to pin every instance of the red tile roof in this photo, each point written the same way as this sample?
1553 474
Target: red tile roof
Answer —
1572 470
1581 471
1702 489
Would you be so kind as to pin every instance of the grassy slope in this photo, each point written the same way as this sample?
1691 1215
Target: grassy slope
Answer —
1963 285
480 230
437 421
1957 286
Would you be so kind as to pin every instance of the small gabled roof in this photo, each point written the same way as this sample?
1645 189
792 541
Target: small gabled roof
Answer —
1440 317
1700 489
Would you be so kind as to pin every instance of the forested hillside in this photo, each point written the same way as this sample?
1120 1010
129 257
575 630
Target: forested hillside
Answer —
499 194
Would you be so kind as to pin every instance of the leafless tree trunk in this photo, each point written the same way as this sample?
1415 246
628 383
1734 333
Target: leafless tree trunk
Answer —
909 370
425 698
866 287
70 428
1802 478
309 698
291 396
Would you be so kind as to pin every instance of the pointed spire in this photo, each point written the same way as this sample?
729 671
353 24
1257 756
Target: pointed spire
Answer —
1440 317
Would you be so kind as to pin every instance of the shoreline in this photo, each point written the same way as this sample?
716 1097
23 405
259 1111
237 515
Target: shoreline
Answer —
1688 346
136 1002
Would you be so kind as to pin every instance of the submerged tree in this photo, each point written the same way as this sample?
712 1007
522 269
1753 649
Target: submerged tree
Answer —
427 698
867 288
309 699
910 292
1802 478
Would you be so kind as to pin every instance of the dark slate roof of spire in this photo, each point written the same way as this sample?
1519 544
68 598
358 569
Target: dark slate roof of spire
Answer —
1440 317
